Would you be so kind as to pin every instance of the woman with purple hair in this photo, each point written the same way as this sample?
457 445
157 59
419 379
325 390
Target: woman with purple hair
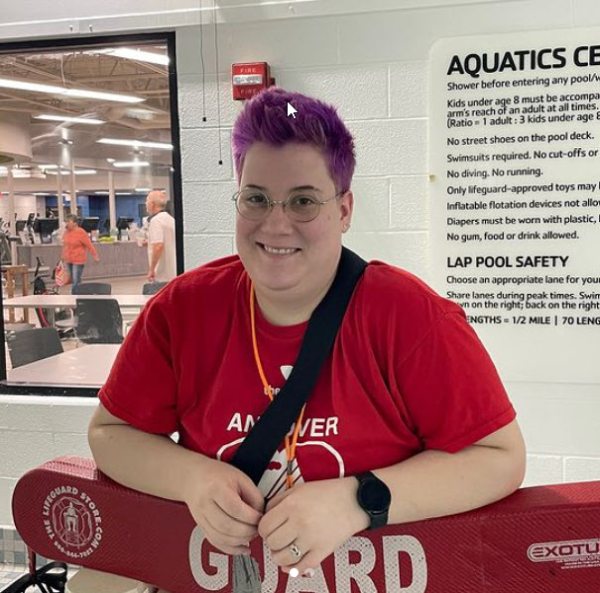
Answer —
408 419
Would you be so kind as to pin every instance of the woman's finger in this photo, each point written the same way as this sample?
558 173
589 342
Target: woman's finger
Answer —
224 542
292 554
224 523
281 537
231 504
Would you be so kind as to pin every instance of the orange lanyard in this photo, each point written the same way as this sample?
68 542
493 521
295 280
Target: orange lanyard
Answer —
290 447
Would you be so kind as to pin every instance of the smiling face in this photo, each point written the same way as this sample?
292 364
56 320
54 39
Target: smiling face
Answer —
291 262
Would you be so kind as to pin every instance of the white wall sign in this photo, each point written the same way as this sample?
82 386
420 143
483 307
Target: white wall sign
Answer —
515 160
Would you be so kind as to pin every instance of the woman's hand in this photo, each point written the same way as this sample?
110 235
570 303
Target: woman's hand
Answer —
312 519
225 504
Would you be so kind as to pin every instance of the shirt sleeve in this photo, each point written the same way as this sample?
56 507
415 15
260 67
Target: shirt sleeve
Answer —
89 245
141 388
452 388
156 233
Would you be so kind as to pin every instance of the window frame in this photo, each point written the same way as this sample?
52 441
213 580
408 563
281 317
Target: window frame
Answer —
37 45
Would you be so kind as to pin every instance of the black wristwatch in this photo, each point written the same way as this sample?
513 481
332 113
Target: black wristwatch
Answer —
374 497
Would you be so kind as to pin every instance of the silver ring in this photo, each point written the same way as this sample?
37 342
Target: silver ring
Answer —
295 551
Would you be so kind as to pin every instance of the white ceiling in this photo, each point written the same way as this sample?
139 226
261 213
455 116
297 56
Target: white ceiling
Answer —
62 143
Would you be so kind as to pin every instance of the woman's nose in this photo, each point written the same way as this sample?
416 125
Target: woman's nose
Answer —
277 217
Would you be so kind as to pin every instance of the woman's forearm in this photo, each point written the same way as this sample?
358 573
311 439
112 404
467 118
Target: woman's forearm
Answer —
150 463
436 483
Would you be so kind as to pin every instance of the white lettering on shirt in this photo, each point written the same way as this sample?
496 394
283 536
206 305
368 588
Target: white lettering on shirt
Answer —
332 425
236 423
311 427
318 424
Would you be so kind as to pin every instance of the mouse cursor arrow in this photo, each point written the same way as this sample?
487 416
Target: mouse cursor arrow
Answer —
291 110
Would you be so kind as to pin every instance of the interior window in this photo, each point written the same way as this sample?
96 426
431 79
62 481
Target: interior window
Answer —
87 170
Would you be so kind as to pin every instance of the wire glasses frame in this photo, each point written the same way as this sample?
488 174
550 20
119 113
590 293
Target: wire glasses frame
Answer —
254 204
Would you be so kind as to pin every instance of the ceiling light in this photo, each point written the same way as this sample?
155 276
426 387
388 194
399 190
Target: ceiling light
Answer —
25 173
73 120
143 189
135 143
131 164
110 160
139 113
68 172
23 85
21 173
138 55
102 96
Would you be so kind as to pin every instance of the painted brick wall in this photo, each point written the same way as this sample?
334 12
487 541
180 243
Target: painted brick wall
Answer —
374 68
34 430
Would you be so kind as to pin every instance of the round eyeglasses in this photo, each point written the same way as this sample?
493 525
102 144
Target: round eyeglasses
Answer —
300 206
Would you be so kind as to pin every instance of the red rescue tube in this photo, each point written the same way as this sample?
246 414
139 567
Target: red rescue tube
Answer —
539 540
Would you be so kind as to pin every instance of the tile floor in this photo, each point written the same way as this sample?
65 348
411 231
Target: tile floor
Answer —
12 547
13 557
9 574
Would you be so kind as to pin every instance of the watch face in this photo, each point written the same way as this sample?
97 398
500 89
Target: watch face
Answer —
375 496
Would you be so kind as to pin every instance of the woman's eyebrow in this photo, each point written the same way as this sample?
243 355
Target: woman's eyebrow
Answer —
297 188
305 188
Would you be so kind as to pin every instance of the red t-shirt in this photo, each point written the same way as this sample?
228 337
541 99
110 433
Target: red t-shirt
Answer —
407 373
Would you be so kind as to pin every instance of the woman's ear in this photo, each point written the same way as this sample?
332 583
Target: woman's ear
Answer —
346 209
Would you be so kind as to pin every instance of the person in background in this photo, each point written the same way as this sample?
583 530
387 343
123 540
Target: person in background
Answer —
76 244
161 239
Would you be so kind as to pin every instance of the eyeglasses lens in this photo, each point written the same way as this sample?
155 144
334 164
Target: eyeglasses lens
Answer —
255 205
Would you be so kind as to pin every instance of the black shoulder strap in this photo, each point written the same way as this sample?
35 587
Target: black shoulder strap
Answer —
257 449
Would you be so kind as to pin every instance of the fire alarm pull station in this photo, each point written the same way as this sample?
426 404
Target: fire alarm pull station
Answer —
249 79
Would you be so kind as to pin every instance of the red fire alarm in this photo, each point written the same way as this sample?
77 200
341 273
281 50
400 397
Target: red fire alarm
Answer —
249 79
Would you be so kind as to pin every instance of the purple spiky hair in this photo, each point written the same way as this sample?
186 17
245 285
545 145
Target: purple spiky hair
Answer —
265 119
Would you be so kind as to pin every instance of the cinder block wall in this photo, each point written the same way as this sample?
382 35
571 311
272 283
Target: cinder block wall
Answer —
374 68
